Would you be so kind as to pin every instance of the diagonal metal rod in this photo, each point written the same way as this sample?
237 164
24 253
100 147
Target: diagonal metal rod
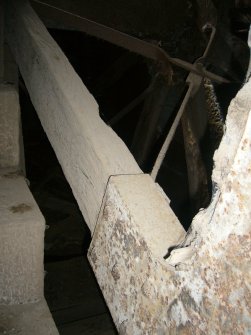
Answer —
194 83
171 133
123 40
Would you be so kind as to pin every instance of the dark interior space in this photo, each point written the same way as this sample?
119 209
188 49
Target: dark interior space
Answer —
117 78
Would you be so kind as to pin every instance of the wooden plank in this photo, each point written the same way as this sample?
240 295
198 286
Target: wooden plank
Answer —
88 150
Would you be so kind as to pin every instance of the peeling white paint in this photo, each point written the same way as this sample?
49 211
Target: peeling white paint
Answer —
179 314
236 295
196 287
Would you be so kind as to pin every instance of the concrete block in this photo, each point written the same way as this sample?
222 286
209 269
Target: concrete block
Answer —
21 242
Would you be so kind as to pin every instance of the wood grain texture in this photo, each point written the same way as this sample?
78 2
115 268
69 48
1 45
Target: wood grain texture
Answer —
88 150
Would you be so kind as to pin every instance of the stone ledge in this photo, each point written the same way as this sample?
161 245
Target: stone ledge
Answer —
27 319
21 242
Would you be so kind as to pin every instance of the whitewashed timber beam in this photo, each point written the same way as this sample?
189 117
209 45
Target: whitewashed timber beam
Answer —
87 149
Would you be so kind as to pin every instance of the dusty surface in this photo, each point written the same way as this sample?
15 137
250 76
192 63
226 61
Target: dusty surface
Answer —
21 242
26 319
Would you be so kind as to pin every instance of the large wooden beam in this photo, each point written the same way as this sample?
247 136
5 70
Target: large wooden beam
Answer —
88 150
